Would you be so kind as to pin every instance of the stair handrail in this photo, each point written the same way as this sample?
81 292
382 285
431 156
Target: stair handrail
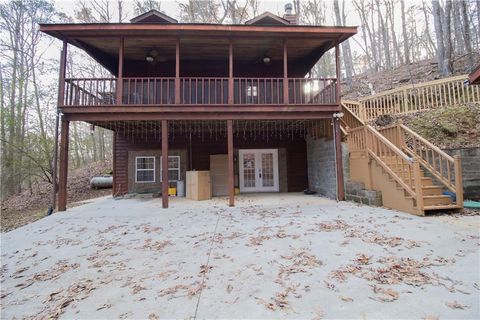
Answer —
350 119
440 164
406 171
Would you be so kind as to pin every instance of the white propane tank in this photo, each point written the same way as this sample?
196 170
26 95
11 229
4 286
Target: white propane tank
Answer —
101 182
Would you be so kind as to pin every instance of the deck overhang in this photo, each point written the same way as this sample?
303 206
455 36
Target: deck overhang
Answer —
251 42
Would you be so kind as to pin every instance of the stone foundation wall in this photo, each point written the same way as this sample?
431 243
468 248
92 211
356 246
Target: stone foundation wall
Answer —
356 192
321 166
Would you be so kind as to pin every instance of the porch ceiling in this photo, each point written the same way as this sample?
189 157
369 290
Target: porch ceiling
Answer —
200 42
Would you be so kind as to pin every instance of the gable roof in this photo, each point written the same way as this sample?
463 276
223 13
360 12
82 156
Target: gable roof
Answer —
268 18
153 16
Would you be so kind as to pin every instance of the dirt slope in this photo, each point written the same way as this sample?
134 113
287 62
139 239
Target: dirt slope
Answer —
422 71
31 205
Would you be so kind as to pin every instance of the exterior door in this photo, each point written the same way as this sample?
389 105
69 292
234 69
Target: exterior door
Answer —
258 170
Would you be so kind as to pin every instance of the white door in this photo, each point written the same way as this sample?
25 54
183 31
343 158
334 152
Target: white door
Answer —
258 170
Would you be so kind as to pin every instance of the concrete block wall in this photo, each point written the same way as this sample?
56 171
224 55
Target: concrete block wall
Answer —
470 171
321 166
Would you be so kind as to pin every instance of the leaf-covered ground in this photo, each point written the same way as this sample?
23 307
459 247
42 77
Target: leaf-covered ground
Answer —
368 83
271 256
32 204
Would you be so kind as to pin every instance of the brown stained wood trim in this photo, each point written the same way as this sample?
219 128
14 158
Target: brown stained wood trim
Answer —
181 28
63 71
63 172
177 71
203 109
337 70
231 179
189 116
230 73
121 52
164 164
286 99
339 161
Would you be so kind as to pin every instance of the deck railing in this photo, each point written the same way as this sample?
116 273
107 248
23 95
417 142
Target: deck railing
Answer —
199 91
417 97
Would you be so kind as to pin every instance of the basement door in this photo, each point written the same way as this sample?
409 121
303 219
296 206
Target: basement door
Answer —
258 170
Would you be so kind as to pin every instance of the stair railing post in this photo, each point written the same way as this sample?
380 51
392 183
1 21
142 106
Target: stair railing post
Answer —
458 180
418 186
400 137
362 112
405 102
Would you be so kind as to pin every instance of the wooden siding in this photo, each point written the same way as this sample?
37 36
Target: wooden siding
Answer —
202 149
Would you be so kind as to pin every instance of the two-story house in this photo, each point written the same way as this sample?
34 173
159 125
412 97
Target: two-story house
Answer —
243 93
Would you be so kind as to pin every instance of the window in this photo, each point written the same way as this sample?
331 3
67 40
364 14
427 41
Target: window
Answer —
173 168
144 169
252 91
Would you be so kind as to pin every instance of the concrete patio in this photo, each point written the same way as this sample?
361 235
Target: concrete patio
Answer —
271 256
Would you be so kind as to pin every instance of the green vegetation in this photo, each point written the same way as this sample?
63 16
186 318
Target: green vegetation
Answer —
449 127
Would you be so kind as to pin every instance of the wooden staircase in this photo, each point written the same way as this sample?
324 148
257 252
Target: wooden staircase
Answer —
411 173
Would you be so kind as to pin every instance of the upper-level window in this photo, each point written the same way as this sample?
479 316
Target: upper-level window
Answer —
144 169
252 91
173 168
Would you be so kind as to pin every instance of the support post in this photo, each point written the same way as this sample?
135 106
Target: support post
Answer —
337 70
286 99
458 180
230 73
60 103
164 164
63 174
61 79
177 71
338 159
418 187
338 132
119 97
231 182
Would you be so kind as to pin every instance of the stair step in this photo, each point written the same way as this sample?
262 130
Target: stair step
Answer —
442 207
431 190
441 200
438 200
426 181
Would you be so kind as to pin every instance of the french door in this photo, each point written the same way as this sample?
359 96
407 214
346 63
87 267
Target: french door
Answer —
258 170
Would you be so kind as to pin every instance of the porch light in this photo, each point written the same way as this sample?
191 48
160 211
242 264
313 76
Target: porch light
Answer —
150 59
267 60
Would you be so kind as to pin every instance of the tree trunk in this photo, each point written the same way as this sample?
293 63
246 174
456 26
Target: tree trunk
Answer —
447 65
406 46
466 30
347 60
437 21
